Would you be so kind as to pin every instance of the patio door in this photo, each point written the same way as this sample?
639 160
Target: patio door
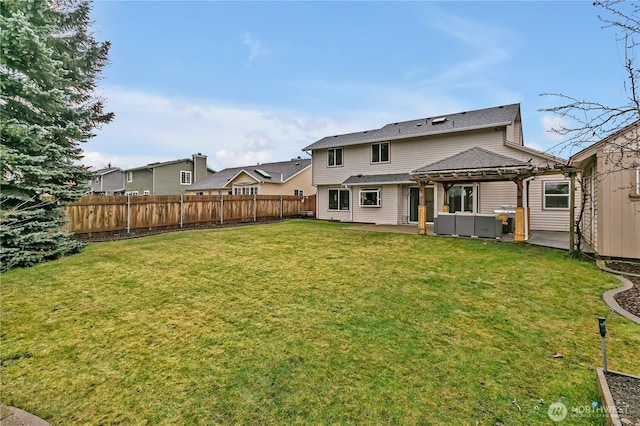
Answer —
414 201
462 198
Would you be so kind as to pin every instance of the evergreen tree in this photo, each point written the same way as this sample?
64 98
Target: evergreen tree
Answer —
49 66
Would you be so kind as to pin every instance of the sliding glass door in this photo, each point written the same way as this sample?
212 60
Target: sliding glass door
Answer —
462 198
414 202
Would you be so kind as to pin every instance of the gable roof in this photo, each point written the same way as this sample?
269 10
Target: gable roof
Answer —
159 164
475 158
151 166
279 172
106 171
447 123
591 149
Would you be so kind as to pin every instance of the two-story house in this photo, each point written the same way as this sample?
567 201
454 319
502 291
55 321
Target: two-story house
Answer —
280 178
166 178
370 176
107 181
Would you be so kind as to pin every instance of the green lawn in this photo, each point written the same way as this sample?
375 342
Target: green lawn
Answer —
306 322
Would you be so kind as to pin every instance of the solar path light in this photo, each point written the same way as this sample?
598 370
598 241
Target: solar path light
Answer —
603 332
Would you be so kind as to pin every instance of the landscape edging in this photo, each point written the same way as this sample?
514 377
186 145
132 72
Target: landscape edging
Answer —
608 296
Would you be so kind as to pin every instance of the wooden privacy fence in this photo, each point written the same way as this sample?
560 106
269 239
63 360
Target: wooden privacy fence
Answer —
95 214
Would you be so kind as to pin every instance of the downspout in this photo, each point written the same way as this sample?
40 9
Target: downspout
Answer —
350 202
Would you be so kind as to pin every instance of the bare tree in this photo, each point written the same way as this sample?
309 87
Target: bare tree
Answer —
590 121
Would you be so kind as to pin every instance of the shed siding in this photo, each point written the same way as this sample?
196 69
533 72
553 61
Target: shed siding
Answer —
619 213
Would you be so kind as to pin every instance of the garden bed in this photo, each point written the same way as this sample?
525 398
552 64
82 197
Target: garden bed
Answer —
625 389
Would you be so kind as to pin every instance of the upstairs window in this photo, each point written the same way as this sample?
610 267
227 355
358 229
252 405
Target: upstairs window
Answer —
185 177
334 157
129 176
637 181
380 152
556 195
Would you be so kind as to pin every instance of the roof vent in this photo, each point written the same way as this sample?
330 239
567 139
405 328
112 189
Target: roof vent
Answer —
438 120
419 123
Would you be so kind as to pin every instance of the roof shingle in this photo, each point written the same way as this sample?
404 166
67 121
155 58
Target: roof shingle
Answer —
279 172
472 159
468 120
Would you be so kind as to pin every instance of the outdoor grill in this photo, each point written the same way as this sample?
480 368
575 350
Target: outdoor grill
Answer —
507 214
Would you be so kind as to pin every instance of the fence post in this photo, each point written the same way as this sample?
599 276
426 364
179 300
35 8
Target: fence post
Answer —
128 213
181 209
221 208
255 206
281 206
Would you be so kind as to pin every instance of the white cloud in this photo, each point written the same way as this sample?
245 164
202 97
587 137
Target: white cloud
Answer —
256 49
152 127
550 122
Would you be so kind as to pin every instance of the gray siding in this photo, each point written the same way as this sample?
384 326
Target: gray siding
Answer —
167 178
142 181
112 182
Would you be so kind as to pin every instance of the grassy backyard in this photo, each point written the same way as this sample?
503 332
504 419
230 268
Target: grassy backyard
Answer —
306 322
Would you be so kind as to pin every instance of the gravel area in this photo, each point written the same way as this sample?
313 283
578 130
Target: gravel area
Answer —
629 300
626 396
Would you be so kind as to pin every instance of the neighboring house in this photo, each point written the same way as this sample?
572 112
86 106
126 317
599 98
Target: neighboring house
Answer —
371 176
611 179
166 178
108 181
282 178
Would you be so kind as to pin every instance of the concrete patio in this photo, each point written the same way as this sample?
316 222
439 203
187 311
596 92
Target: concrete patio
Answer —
553 239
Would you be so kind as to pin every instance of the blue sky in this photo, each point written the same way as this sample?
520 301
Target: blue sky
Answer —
248 82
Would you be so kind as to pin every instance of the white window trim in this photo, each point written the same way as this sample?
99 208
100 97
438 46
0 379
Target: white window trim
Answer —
129 176
638 182
370 190
338 209
334 156
186 173
545 195
146 192
246 190
380 152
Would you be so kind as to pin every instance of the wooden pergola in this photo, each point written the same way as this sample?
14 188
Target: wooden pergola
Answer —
502 170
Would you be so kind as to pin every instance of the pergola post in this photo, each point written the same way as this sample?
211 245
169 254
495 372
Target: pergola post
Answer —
422 210
519 228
